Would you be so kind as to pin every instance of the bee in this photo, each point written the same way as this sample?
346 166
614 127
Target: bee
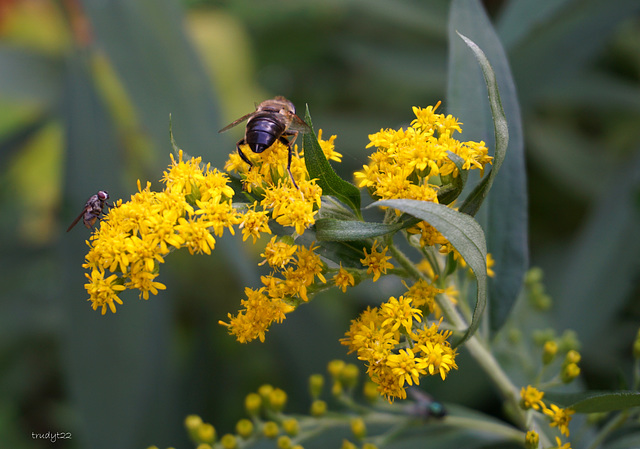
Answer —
272 120
424 405
92 209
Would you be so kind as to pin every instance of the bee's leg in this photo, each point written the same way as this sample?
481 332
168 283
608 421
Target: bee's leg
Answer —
242 155
289 145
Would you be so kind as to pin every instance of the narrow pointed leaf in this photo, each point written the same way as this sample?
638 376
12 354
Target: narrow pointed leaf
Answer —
476 101
473 202
596 401
466 236
319 168
330 229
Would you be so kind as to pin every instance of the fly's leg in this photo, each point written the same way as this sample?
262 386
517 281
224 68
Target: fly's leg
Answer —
242 155
289 144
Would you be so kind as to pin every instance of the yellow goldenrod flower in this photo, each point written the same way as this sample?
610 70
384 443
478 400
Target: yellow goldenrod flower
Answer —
182 177
560 418
376 261
531 397
399 312
254 320
406 159
432 334
407 367
343 279
387 382
440 358
328 148
423 295
254 222
136 235
103 292
278 253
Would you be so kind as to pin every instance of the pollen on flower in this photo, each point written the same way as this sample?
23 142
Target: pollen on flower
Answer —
377 261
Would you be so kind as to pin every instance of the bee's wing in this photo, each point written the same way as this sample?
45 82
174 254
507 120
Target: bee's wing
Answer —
237 122
297 124
75 222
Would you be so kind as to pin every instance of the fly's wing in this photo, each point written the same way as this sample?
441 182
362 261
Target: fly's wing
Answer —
237 122
75 222
299 125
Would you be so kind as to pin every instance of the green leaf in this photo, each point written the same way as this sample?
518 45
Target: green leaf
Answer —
473 202
347 253
330 229
601 262
466 236
174 145
449 192
504 216
319 168
596 401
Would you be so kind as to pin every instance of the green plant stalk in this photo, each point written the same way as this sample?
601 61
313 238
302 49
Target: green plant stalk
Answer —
478 351
608 428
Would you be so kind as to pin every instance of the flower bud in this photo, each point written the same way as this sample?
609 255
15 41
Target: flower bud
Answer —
549 351
277 399
358 428
532 439
316 382
335 368
270 429
349 375
252 404
284 442
229 441
570 372
244 428
291 426
370 390
318 408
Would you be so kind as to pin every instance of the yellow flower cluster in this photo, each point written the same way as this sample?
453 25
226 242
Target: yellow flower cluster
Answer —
295 267
134 237
268 178
414 163
195 207
399 345
411 163
531 398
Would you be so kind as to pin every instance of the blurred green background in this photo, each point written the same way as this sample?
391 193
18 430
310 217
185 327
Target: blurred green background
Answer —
86 89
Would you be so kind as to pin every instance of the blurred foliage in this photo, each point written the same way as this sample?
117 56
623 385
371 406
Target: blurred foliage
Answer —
86 89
